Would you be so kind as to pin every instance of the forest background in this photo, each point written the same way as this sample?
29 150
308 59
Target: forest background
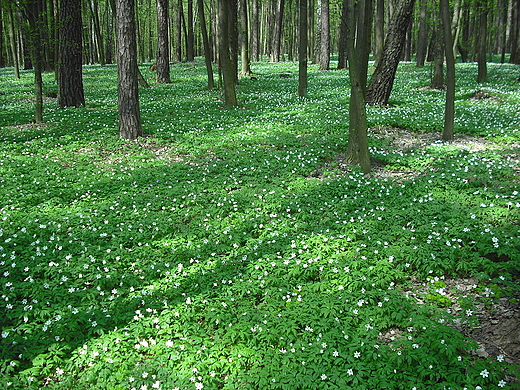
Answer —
221 235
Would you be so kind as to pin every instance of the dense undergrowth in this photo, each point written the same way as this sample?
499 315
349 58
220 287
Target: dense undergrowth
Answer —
230 250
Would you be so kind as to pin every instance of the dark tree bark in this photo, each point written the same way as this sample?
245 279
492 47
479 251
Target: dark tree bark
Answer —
180 18
190 36
163 44
302 50
2 57
382 80
207 47
70 77
94 9
244 43
325 36
277 38
422 35
128 93
34 16
359 19
342 39
449 113
255 33
437 48
14 42
482 7
379 31
228 70
515 33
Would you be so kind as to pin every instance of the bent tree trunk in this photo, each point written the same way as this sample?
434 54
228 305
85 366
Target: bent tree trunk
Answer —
128 92
382 81
70 78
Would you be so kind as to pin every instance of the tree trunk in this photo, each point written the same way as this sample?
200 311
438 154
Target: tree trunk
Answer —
244 44
128 93
94 9
190 37
14 42
302 50
34 17
207 47
382 80
163 44
342 40
357 151
449 113
226 62
70 77
437 47
255 33
422 35
515 32
482 7
180 17
277 38
325 36
379 31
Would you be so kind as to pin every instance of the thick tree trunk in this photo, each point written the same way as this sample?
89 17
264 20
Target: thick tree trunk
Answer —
342 40
515 33
255 33
449 114
163 44
128 93
357 151
34 17
207 47
70 77
228 70
325 36
302 50
382 80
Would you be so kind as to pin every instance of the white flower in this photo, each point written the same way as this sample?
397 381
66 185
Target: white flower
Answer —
169 343
323 377
357 354
484 373
199 385
502 383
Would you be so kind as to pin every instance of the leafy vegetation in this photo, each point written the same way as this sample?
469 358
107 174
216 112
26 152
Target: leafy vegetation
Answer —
230 249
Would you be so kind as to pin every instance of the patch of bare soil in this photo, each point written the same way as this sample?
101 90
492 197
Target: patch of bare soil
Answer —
497 326
161 151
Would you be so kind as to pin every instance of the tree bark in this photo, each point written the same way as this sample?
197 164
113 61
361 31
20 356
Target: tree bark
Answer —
128 93
34 17
482 7
70 77
228 70
190 37
422 35
449 112
325 36
357 151
277 38
255 33
163 44
302 50
437 48
207 48
342 39
379 31
14 42
244 43
94 10
382 80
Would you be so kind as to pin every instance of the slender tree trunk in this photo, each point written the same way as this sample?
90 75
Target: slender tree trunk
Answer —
277 39
244 44
180 17
325 36
437 47
190 37
70 77
482 41
225 42
128 93
379 31
34 16
422 35
449 114
357 151
342 40
515 32
94 9
302 50
14 42
382 80
163 44
207 47
255 33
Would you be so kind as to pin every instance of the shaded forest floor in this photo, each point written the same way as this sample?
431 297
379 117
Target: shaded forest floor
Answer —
234 249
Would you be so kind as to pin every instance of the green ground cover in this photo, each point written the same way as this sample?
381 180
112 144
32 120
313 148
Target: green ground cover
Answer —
231 249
